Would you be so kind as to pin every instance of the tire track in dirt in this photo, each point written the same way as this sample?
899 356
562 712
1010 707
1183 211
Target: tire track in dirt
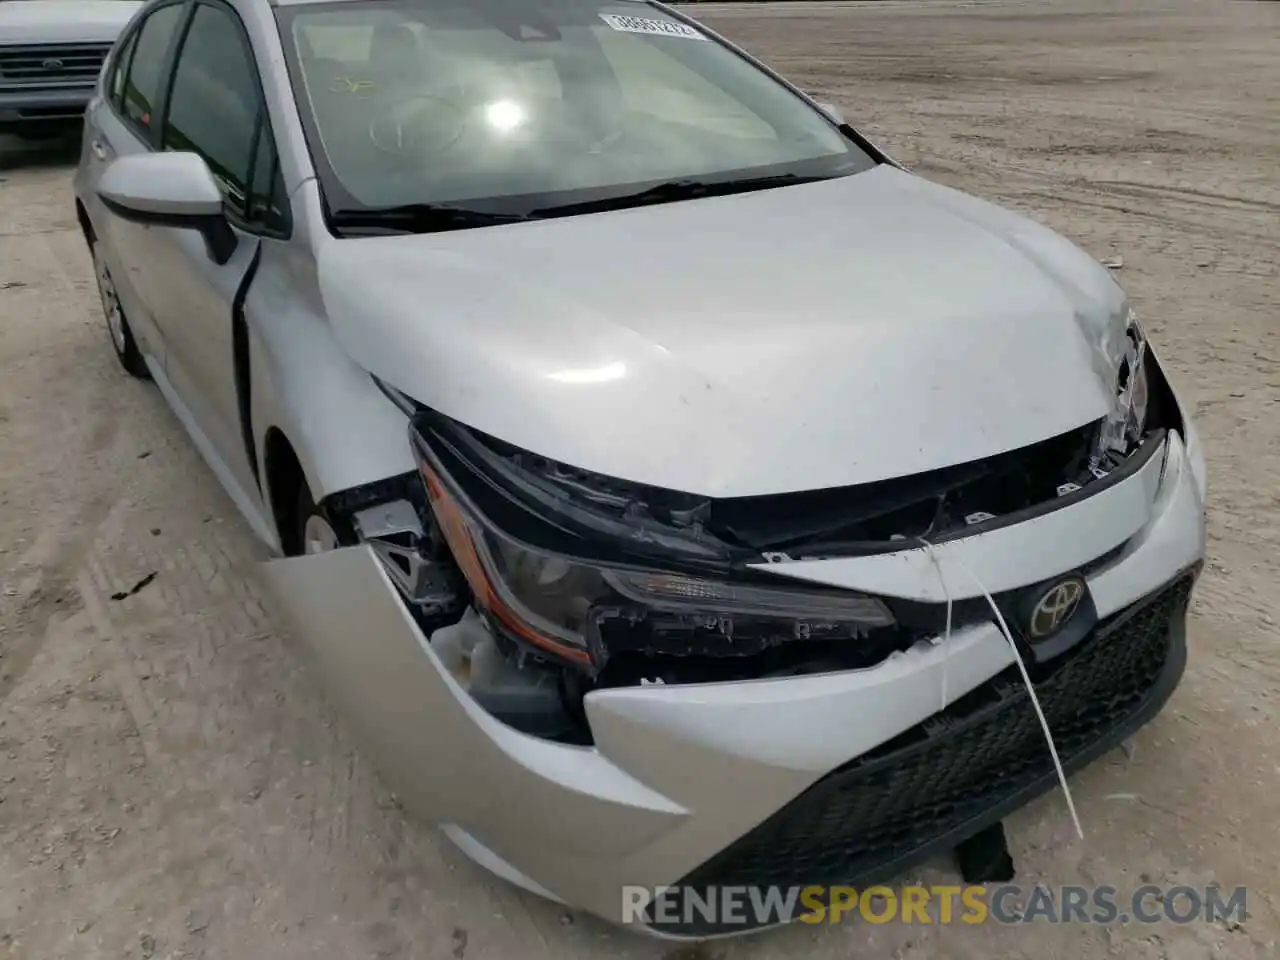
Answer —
1185 194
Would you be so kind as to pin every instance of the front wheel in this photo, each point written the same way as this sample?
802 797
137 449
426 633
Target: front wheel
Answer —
122 341
314 531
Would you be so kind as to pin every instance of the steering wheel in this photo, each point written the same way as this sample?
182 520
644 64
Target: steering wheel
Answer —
417 125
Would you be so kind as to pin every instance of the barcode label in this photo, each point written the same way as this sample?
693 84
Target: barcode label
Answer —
658 28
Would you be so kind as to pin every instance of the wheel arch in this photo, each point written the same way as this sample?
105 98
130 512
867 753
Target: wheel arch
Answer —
282 477
86 225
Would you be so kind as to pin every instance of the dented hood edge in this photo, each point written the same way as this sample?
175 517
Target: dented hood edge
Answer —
756 344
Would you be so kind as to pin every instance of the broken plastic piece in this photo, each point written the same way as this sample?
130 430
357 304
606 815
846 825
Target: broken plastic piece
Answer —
454 644
125 594
421 581
985 857
527 699
388 520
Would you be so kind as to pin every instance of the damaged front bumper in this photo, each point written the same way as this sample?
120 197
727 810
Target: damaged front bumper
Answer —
829 778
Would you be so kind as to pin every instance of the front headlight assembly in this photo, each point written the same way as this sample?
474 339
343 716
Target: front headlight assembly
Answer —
1124 426
578 570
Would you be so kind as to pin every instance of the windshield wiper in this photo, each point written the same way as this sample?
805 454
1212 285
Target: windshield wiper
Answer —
416 218
674 190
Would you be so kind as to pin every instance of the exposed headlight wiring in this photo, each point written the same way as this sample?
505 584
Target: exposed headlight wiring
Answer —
1017 655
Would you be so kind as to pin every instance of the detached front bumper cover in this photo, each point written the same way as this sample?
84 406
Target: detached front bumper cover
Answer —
832 777
708 783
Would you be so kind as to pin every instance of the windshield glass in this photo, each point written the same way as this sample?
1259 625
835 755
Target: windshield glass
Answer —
512 106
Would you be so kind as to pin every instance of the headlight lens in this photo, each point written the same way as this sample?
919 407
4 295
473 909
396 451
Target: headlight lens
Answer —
663 591
582 612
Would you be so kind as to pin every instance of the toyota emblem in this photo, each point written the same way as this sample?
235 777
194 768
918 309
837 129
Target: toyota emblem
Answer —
53 63
1058 605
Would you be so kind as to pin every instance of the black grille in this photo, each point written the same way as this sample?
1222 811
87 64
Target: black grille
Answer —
961 770
42 63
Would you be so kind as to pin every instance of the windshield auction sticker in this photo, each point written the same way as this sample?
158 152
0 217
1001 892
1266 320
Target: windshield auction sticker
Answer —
658 28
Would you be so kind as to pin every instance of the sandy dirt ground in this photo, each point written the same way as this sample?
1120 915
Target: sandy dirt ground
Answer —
174 784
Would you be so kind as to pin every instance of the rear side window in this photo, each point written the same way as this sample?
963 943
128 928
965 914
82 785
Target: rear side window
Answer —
142 87
120 70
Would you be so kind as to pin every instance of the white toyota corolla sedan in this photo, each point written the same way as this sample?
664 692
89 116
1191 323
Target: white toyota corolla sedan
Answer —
673 490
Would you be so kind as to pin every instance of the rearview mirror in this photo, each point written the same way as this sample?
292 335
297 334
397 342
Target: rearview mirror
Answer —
832 111
169 190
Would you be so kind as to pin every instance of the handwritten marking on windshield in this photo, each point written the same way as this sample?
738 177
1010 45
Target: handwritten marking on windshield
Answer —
349 85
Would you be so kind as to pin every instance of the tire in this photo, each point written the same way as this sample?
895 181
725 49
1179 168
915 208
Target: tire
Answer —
118 331
313 530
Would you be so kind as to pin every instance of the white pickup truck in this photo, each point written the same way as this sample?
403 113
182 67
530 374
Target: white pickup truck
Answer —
51 52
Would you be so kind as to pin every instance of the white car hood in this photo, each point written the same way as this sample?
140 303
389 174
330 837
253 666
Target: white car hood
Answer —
811 336
64 21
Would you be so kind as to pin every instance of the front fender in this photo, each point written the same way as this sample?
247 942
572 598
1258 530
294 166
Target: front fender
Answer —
343 429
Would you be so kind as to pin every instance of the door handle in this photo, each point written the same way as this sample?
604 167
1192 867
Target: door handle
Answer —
98 149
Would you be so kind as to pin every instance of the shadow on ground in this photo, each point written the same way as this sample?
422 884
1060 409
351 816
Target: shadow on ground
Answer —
61 150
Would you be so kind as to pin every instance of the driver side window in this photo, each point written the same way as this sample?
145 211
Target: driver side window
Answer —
215 109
